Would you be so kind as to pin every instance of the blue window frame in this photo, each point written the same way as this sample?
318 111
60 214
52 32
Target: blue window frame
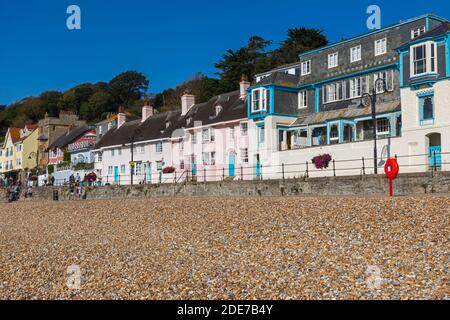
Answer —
426 109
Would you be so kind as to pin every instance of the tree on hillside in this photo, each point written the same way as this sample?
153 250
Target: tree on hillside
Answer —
203 87
299 40
128 87
247 60
98 105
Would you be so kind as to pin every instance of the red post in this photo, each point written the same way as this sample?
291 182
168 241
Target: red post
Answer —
391 169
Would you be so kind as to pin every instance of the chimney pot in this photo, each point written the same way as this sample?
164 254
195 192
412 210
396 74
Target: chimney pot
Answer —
147 111
244 85
121 117
187 101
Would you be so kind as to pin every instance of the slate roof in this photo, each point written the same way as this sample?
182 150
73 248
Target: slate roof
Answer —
163 125
346 113
440 30
69 137
280 78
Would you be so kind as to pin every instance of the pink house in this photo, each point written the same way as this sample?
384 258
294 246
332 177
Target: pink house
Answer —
212 143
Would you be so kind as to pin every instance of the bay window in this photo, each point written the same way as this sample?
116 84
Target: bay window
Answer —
259 99
423 58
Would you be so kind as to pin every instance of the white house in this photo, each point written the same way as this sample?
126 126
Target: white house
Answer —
150 137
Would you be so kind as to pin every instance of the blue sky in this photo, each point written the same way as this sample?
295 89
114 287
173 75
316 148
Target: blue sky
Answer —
169 41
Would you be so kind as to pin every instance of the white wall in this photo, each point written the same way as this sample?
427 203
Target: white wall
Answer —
144 153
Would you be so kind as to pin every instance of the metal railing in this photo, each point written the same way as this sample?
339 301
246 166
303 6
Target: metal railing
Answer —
431 163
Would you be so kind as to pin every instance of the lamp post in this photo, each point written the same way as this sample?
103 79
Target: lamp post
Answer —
136 134
371 99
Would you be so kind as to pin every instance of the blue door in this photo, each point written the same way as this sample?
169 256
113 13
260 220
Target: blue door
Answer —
148 173
194 167
434 156
258 168
231 164
116 174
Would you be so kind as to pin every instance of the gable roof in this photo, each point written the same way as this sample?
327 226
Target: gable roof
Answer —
233 108
163 125
153 128
15 134
32 126
69 137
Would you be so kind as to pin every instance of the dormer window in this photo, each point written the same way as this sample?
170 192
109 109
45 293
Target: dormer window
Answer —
306 68
423 58
167 124
417 32
218 110
189 121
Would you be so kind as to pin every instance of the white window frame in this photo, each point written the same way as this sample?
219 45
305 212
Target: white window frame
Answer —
261 135
384 121
333 60
380 47
208 135
358 54
334 138
244 155
110 170
123 169
139 168
389 84
305 68
209 158
194 137
356 87
159 147
261 103
417 32
232 133
244 132
303 99
430 58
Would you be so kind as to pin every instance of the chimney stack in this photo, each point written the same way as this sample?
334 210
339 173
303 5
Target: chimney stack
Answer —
147 110
244 85
121 117
187 101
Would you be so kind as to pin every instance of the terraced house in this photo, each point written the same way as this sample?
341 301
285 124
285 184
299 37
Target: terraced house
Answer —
323 103
18 153
213 142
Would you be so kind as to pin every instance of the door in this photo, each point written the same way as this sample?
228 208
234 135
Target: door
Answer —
116 174
231 164
258 167
194 166
434 156
148 173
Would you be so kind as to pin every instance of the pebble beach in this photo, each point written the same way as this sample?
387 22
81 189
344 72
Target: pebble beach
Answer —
226 248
